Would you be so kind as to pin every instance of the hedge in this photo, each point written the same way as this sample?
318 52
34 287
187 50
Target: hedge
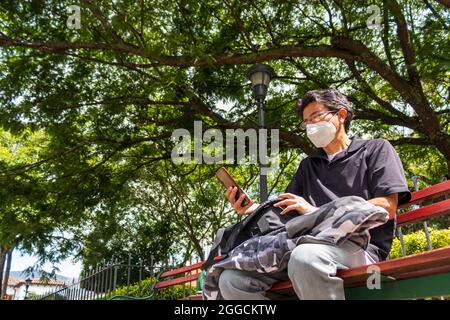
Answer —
145 290
416 242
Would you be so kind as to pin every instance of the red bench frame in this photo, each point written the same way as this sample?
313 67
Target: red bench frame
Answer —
431 265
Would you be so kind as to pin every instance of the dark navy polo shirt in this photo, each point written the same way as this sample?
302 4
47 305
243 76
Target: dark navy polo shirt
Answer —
368 169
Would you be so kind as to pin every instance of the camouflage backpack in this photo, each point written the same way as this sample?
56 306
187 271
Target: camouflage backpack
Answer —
266 218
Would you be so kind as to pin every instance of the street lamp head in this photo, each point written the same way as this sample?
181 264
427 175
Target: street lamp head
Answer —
260 75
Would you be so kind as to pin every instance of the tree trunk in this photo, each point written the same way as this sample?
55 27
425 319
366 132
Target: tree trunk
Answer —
2 265
444 3
6 277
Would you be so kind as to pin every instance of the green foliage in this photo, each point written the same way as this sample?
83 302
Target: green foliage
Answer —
27 219
145 290
32 296
416 242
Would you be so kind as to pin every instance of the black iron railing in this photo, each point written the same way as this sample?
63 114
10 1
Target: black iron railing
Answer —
114 280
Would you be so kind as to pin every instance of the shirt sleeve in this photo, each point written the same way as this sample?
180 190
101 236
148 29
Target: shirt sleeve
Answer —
386 175
296 186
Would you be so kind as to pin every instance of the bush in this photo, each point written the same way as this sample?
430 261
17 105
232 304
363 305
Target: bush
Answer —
145 291
417 242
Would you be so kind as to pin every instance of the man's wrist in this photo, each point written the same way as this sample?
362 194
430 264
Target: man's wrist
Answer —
311 210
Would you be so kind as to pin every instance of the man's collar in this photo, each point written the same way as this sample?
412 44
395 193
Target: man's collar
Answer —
355 144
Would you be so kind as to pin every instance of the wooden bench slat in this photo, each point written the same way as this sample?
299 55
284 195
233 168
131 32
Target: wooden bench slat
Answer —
193 297
176 281
399 267
282 286
424 213
185 269
421 273
182 270
435 191
426 263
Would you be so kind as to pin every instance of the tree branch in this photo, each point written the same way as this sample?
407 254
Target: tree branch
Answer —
445 3
405 43
436 14
198 105
411 141
373 115
384 104
323 51
96 11
385 38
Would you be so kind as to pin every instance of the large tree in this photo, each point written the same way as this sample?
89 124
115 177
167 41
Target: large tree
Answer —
109 94
27 221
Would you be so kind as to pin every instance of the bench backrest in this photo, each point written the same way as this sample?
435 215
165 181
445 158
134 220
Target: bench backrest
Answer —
428 211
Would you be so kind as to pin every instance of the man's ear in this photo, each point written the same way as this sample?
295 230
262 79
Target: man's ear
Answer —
342 115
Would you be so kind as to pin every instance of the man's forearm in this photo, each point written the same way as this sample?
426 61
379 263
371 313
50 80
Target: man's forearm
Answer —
389 203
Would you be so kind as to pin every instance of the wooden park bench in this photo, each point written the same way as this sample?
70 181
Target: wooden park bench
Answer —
421 275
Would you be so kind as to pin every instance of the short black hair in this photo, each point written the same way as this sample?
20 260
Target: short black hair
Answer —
330 98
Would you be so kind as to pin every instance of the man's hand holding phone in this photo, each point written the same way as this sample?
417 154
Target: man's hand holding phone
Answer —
237 204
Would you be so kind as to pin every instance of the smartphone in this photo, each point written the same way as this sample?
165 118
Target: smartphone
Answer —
228 181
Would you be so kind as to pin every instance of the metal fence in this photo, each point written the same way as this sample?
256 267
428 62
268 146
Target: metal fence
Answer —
115 280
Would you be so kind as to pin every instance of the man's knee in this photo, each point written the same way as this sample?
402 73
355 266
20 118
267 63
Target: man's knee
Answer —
229 281
304 257
225 278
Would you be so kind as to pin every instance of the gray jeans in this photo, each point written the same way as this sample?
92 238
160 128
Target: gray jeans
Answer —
312 269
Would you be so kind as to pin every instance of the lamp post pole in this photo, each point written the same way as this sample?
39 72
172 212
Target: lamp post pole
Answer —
260 76
263 193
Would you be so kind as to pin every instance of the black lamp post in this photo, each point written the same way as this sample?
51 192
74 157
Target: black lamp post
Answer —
260 76
27 285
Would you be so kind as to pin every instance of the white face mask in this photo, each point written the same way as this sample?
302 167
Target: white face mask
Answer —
321 133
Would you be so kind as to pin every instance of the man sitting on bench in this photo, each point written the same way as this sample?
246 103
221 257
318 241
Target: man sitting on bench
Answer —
341 166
